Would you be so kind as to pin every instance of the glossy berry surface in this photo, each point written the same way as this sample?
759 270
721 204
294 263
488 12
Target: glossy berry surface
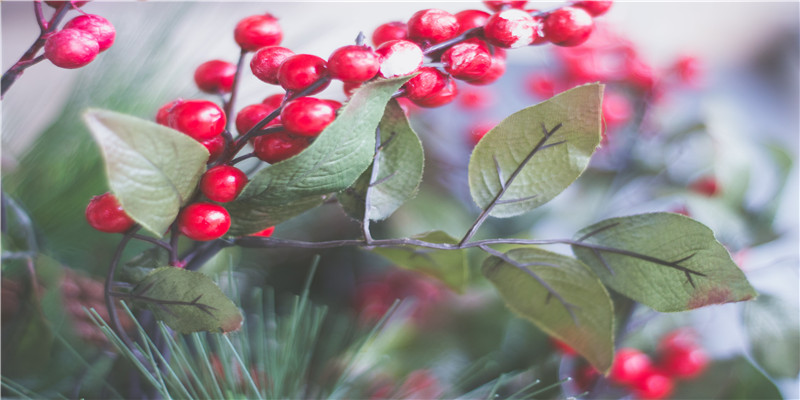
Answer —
267 60
251 115
568 26
274 100
162 115
498 5
215 76
469 19
71 48
440 98
215 147
307 116
204 221
278 146
353 64
467 60
300 71
511 28
594 7
399 58
630 365
200 119
222 183
395 30
652 386
95 25
427 82
432 26
495 71
105 214
257 31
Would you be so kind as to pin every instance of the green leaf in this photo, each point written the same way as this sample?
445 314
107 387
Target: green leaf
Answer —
734 379
153 170
666 261
526 168
331 164
187 301
138 267
449 266
400 161
586 324
773 328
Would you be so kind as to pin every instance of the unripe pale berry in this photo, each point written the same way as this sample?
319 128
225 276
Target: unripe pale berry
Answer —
432 26
251 115
307 116
257 31
394 30
162 115
469 19
511 28
215 147
71 48
427 82
105 214
594 7
300 71
440 98
215 76
204 221
200 119
568 26
399 58
95 25
467 60
222 183
353 64
496 70
498 5
267 60
278 146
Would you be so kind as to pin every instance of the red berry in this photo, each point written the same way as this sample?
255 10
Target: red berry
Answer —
105 214
427 82
204 221
653 385
593 7
568 26
265 233
475 99
562 347
71 48
353 64
432 26
399 58
95 25
267 60
585 377
479 131
496 70
251 115
278 146
538 21
639 73
469 19
440 98
395 30
541 85
274 101
630 365
300 71
215 76
215 147
257 31
467 60
307 116
617 110
222 183
689 70
511 28
501 4
200 119
162 115
707 186
680 356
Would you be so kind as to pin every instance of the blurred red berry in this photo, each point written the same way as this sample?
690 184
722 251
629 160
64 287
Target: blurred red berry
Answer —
689 70
653 385
706 186
274 100
681 356
497 5
479 131
593 7
542 85
568 26
395 30
630 366
617 110
562 347
475 99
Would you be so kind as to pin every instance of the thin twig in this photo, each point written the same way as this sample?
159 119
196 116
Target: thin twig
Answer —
228 106
474 32
154 241
372 177
109 298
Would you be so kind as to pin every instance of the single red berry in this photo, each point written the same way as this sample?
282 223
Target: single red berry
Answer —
467 60
593 7
267 60
71 48
475 99
585 377
257 31
689 70
707 186
498 5
568 26
617 110
215 147
353 64
251 115
222 183
562 347
162 115
274 100
395 30
200 119
350 87
432 26
630 366
215 76
496 70
440 98
300 71
278 146
399 58
479 131
265 233
542 85
653 385
105 214
95 25
58 3
204 221
680 355
307 116
511 28
427 82
469 19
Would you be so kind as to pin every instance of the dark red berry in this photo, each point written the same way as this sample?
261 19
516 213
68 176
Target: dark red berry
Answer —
95 25
440 98
427 82
585 377
653 385
399 58
267 60
707 186
353 63
307 116
502 4
467 60
469 19
395 30
630 366
200 119
204 221
680 355
105 214
689 70
432 26
162 115
568 26
71 48
257 31
278 146
300 71
265 233
593 7
251 115
215 76
222 183
215 147
496 70
511 28
274 100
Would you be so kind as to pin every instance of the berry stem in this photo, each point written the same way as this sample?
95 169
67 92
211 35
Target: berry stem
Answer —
108 292
40 19
474 32
228 107
154 241
241 158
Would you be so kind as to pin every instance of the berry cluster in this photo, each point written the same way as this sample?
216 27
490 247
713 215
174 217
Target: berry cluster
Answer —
80 40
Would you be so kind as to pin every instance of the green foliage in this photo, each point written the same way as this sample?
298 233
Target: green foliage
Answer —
153 170
773 327
536 153
666 261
